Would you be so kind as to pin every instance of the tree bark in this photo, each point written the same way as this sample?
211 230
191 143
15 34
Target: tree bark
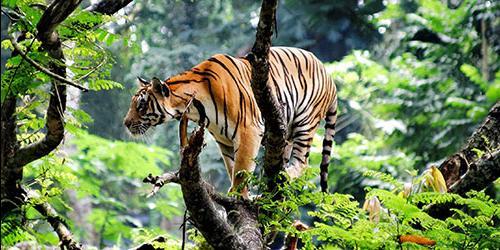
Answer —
62 231
12 195
466 170
108 7
275 129
218 232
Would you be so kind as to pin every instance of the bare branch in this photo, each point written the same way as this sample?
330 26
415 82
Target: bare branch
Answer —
43 69
202 210
159 181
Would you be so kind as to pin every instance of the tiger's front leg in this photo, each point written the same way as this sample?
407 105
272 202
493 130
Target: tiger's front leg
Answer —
246 150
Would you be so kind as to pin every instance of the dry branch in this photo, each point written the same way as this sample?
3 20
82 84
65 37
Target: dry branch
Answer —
159 181
238 230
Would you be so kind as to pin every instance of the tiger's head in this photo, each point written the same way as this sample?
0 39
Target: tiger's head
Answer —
151 105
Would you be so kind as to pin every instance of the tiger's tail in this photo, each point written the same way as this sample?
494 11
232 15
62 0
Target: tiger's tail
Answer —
331 119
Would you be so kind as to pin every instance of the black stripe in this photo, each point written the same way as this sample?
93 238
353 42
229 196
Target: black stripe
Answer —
201 111
302 145
184 81
301 161
327 143
330 126
213 101
329 113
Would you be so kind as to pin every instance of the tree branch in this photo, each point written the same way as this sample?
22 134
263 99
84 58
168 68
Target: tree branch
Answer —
485 139
275 129
56 222
239 230
108 7
203 212
479 175
53 16
57 12
43 69
64 234
13 158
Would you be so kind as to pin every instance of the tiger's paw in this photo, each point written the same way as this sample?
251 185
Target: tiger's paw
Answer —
295 171
239 192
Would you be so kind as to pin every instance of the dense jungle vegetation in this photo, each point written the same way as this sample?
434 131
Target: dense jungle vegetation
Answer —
415 79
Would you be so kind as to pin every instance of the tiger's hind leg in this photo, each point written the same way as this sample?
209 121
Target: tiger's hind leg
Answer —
302 139
228 157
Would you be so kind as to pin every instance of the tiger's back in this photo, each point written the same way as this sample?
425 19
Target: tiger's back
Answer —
297 78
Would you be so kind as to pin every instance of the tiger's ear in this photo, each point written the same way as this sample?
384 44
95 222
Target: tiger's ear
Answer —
142 82
160 88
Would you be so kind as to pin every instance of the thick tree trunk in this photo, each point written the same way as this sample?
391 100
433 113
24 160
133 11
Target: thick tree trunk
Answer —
240 232
11 194
275 128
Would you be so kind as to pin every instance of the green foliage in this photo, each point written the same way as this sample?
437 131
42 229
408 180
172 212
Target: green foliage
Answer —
144 235
442 77
340 223
81 46
110 175
13 231
199 242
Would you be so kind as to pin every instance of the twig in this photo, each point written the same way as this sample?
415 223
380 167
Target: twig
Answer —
43 69
184 230
92 70
159 181
15 72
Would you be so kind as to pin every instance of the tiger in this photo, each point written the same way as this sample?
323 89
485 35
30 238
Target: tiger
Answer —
217 93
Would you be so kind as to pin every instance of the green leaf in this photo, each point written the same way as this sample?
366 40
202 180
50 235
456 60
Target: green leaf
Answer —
473 74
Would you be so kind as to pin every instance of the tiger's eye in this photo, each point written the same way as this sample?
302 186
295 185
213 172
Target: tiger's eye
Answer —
142 104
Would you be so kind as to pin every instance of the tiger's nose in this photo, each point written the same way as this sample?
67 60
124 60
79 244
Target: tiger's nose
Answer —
127 123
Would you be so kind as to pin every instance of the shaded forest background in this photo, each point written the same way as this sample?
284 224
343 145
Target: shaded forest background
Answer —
415 78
